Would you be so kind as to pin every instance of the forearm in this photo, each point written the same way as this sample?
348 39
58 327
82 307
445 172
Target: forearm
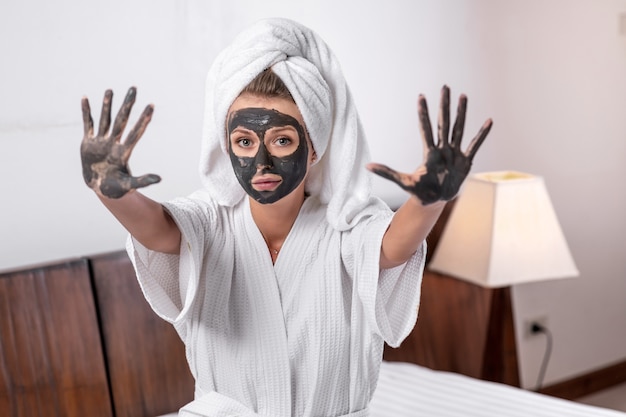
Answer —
409 227
146 220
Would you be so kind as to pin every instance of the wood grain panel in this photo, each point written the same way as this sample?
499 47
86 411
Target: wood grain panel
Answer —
51 360
146 358
451 330
588 383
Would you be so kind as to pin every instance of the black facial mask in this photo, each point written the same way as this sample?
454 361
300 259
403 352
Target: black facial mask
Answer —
291 168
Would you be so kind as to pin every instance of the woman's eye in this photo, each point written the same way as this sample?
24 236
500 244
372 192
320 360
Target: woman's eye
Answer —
283 141
244 142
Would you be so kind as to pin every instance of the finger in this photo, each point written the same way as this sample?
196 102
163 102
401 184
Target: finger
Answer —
87 120
135 134
479 139
122 116
459 122
144 180
443 127
105 115
425 128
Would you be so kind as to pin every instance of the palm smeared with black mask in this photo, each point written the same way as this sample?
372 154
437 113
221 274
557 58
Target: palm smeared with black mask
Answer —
104 156
445 165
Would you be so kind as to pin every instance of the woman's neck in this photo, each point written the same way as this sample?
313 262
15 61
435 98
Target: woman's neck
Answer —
275 220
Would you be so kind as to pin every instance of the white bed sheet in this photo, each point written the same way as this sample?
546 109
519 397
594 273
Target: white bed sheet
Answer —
408 390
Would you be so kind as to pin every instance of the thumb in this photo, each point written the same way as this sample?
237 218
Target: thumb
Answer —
144 180
385 172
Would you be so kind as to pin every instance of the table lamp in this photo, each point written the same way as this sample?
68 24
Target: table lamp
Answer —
503 231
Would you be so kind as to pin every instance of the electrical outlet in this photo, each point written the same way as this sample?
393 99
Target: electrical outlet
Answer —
528 325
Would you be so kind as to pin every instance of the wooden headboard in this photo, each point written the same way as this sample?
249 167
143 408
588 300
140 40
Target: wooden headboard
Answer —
146 362
77 338
52 363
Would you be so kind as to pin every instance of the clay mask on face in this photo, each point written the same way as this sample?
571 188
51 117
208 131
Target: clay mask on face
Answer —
290 168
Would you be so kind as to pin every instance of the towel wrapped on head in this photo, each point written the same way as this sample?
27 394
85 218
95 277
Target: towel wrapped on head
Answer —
309 69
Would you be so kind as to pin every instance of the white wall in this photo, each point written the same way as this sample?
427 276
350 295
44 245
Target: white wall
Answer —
559 79
550 73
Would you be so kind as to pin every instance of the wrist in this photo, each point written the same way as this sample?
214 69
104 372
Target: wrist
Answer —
435 206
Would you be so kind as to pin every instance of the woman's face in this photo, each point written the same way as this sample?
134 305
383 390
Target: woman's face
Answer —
268 146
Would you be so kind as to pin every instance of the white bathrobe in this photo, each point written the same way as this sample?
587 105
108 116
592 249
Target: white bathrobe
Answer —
301 337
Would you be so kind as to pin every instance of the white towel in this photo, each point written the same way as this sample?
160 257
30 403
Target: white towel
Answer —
314 78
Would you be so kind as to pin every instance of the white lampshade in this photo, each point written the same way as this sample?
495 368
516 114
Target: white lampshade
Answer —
503 231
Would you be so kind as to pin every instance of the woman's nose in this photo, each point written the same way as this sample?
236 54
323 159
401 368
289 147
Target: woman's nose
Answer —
263 158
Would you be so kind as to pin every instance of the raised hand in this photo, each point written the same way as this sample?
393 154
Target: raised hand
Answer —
445 165
104 156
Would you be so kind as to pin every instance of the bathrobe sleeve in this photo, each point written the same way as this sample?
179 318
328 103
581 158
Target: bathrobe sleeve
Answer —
170 283
387 299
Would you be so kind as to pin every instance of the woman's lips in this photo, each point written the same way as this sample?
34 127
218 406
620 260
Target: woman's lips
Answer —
266 182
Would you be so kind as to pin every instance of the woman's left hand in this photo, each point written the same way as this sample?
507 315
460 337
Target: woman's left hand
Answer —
446 165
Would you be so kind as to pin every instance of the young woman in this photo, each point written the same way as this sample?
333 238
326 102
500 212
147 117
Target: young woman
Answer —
283 276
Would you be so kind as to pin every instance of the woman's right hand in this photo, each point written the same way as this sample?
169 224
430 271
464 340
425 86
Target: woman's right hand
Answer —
104 157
